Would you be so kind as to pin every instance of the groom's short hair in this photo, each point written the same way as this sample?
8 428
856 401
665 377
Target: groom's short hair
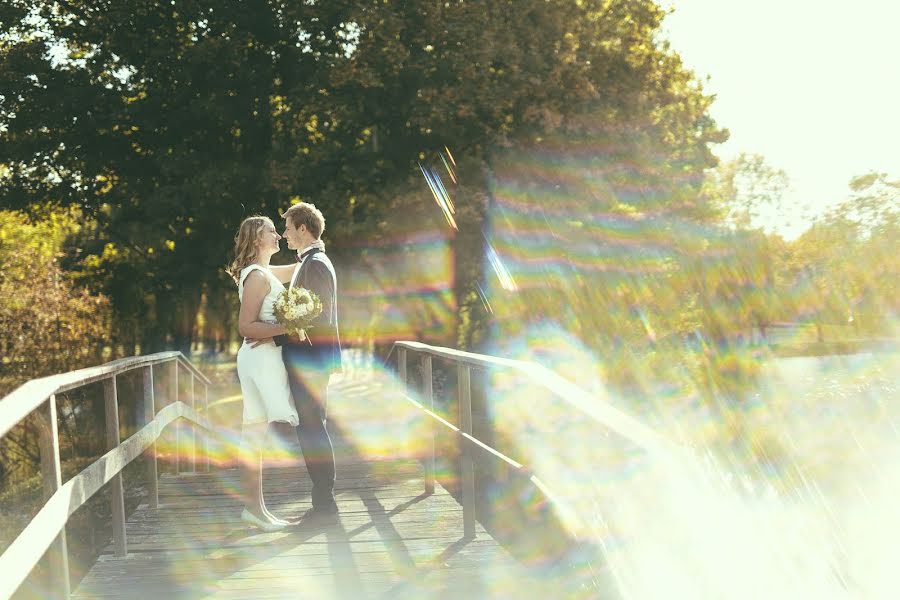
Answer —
304 213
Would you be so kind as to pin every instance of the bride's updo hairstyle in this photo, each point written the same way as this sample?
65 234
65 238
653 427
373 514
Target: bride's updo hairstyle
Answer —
246 244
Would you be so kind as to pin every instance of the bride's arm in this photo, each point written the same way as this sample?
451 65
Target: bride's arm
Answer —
283 272
249 326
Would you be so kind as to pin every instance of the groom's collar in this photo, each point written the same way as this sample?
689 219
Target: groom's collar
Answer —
307 251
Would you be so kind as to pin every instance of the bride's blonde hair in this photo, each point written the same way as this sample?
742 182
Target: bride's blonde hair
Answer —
246 244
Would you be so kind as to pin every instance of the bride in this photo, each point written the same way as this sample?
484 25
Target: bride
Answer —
264 382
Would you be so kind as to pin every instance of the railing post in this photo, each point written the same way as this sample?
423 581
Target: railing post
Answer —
467 466
206 431
177 424
117 496
193 427
149 415
48 440
428 399
401 368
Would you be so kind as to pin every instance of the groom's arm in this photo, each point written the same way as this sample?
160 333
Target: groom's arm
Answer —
279 340
319 281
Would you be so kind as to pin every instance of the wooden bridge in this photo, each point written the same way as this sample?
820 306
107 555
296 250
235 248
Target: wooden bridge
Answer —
428 501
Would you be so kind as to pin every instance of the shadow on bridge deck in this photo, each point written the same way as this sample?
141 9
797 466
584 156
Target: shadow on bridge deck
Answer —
390 540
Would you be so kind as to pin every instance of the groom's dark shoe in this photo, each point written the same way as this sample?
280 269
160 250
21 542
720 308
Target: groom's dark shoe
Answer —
326 512
329 509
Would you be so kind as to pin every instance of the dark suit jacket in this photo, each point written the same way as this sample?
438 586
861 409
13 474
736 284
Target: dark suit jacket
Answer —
322 348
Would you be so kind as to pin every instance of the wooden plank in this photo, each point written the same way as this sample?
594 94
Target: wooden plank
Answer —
253 563
295 552
193 430
428 400
51 472
188 514
401 369
117 494
149 398
464 387
206 430
406 547
460 356
277 483
174 399
391 469
369 508
445 570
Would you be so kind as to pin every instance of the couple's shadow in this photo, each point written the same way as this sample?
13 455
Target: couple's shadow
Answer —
244 547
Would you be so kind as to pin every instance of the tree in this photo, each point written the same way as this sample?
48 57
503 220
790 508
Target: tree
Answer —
168 123
749 192
49 324
847 262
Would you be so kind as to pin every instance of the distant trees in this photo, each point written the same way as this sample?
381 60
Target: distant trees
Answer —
166 124
48 323
845 268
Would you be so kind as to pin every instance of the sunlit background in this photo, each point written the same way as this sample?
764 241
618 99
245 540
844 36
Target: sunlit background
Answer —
698 335
808 87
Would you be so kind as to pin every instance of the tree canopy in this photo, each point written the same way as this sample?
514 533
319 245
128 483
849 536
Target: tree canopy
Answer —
166 123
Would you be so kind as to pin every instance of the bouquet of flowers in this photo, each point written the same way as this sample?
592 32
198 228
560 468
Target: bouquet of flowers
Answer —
295 308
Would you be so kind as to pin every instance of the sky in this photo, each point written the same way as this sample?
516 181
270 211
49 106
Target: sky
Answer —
813 86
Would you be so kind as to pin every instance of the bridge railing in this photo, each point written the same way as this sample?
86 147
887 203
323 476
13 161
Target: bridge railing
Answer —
472 449
47 529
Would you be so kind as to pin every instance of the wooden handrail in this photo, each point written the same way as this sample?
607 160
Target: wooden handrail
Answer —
47 529
470 447
27 549
22 401
615 419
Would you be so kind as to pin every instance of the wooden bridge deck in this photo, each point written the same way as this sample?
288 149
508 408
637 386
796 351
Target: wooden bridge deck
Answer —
390 539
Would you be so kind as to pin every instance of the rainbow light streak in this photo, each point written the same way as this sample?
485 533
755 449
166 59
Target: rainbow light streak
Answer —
400 289
449 170
440 194
741 474
447 150
483 297
674 522
506 280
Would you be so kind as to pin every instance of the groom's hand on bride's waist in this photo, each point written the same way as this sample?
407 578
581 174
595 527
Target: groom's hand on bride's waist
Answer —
290 338
254 342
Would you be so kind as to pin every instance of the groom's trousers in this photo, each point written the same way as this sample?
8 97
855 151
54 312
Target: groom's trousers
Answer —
310 391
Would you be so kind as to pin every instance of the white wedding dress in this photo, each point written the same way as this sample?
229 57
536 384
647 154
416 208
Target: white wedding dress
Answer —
264 380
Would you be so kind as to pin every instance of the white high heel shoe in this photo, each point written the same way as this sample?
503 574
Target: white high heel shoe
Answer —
267 526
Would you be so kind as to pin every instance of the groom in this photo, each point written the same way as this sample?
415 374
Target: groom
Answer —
311 361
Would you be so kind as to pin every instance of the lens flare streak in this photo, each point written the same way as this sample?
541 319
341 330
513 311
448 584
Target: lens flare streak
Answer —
440 194
506 280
